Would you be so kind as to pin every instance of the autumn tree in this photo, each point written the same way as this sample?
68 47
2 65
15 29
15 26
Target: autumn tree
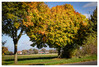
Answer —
41 21
67 30
17 16
60 27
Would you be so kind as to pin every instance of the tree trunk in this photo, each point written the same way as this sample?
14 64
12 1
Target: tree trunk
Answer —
59 52
15 50
15 40
15 53
67 52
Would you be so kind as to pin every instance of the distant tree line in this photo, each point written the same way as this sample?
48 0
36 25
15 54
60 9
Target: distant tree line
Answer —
28 52
36 51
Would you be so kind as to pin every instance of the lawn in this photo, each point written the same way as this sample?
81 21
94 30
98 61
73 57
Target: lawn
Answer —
43 59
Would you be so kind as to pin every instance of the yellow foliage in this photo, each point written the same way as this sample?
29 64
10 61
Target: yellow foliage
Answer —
16 24
58 24
84 24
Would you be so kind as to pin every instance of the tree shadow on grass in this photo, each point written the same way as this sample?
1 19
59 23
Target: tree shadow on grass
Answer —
22 59
36 64
6 63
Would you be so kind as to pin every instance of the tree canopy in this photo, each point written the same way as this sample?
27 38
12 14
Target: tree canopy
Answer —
18 16
59 28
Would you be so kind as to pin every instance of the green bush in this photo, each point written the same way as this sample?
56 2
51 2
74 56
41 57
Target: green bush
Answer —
89 47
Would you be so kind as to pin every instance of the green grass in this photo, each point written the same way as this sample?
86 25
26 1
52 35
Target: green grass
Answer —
44 59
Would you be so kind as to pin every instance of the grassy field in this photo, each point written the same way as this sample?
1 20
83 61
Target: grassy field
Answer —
43 59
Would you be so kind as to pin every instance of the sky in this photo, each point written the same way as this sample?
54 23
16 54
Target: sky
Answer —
85 8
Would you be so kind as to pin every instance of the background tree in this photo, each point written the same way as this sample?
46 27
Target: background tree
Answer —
89 46
94 20
52 51
35 51
4 50
9 53
24 52
91 40
30 51
43 50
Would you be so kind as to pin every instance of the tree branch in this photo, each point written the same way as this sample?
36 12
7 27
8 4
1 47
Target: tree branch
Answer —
20 34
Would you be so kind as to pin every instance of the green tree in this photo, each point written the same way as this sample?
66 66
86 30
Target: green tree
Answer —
50 51
11 22
89 46
90 42
17 16
94 20
24 52
31 51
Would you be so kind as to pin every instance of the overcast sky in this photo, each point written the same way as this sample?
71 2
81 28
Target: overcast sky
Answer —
85 8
